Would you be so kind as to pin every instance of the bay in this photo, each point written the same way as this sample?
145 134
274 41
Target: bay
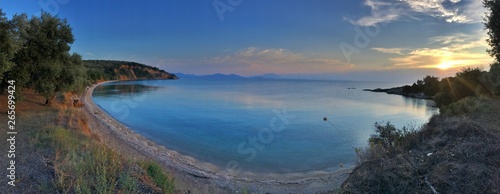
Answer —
263 125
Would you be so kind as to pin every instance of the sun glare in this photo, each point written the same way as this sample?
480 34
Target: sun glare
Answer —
445 65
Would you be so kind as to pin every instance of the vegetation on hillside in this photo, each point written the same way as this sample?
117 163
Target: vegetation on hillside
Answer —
451 154
468 82
458 151
98 70
60 155
35 53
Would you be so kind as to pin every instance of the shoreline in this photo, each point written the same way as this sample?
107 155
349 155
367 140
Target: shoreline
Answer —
196 176
400 91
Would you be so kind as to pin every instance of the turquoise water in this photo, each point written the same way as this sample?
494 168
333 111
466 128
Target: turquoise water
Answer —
273 126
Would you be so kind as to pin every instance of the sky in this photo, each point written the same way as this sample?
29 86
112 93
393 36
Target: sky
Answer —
382 40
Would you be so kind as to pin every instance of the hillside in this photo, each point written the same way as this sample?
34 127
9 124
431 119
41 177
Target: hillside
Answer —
458 151
100 70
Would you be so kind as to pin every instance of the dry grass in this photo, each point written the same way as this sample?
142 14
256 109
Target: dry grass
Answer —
457 154
57 154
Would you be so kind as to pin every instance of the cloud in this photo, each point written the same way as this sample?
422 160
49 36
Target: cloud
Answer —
398 51
461 41
382 12
435 58
253 61
451 11
448 51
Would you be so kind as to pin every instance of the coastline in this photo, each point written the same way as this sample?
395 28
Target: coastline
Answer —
400 91
195 176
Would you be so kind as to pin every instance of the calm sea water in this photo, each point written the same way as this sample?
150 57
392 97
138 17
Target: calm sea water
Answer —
264 125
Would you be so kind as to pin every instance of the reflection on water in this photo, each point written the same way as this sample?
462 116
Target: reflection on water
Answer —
122 89
220 121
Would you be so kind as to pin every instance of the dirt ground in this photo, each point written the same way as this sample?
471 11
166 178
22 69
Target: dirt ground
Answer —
31 172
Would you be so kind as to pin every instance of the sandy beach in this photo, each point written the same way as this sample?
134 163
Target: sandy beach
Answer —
193 176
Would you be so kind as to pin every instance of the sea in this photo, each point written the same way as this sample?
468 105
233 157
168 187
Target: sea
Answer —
261 125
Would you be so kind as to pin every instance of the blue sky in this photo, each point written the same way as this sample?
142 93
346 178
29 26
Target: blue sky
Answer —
356 39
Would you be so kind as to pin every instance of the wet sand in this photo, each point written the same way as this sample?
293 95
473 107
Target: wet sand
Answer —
195 176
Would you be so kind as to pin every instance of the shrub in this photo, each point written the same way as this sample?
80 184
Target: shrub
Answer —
388 136
155 171
466 83
469 105
81 166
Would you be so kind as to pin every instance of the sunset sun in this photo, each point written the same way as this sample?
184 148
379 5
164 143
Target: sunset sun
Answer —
445 65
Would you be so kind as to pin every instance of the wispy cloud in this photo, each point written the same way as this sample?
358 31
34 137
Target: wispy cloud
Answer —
448 51
381 12
452 11
252 61
398 51
461 41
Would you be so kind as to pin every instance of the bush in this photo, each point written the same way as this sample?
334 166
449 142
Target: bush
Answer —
388 136
494 78
469 105
81 166
448 155
155 171
466 83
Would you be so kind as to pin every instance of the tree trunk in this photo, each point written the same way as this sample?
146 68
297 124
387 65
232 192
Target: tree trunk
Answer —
48 101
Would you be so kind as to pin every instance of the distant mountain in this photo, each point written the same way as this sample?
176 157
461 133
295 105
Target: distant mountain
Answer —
268 76
183 75
213 76
223 76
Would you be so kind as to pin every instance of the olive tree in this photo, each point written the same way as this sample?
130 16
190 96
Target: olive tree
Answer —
8 46
492 24
43 62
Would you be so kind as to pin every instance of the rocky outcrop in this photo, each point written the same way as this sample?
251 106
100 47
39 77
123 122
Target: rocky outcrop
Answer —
400 91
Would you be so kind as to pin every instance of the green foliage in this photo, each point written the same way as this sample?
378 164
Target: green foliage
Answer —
493 26
114 70
494 77
35 52
81 166
428 86
469 105
42 61
467 82
431 85
155 171
388 136
7 44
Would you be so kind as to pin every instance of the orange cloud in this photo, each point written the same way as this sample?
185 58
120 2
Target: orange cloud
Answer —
452 51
